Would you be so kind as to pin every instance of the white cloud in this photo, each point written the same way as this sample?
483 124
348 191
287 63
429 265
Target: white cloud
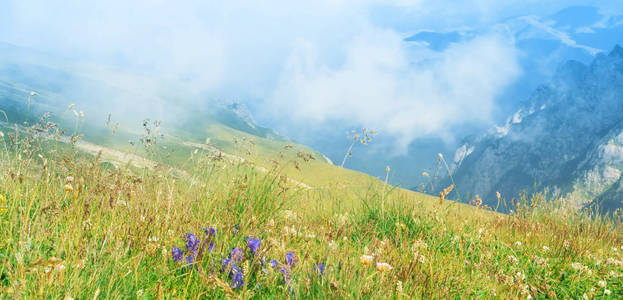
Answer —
560 35
384 87
314 61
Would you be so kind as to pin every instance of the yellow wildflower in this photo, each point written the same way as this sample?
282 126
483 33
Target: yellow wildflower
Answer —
383 267
2 204
366 259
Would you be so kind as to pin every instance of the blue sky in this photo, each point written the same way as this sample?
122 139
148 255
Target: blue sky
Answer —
298 64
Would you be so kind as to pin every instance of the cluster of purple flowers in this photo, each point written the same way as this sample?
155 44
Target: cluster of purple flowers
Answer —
319 267
211 233
194 247
286 268
230 264
253 245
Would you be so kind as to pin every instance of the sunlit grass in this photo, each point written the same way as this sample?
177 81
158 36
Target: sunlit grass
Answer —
72 226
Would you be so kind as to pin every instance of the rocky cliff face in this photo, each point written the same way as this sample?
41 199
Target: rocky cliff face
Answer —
568 138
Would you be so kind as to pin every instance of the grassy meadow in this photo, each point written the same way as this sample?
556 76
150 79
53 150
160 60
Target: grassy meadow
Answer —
75 224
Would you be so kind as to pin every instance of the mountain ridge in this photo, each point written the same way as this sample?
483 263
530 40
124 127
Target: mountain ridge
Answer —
566 138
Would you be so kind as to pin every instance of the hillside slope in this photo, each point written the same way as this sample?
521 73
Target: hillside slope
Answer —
73 226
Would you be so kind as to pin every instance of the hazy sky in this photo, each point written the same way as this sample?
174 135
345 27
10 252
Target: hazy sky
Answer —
306 62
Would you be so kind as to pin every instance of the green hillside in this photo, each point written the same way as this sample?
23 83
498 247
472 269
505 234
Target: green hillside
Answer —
161 212
225 132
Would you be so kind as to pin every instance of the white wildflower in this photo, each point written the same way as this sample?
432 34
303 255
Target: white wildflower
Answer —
419 244
612 261
332 245
577 266
399 286
290 215
383 267
421 259
520 276
540 260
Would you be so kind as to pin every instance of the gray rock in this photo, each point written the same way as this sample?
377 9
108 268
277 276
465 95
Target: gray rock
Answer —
568 138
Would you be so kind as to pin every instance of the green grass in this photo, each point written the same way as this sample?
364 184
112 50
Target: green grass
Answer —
71 227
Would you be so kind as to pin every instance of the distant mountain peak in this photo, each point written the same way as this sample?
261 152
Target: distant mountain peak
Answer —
616 52
573 148
243 113
570 72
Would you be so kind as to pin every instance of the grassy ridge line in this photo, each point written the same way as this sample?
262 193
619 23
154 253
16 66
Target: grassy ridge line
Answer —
317 173
265 155
314 174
